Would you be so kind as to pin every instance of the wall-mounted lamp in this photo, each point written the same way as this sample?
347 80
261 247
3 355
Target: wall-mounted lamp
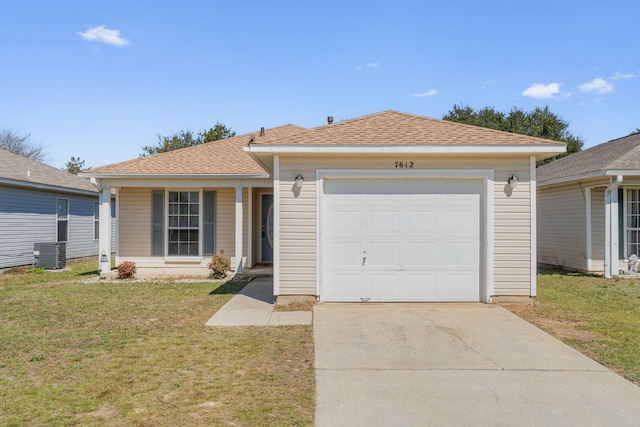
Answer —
103 257
513 181
299 181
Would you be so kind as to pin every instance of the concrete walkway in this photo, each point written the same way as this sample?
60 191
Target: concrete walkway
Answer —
457 365
253 306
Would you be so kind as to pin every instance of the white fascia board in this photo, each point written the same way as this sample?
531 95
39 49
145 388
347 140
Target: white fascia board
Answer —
408 149
173 176
48 187
589 175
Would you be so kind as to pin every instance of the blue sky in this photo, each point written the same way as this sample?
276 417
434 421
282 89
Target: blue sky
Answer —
99 80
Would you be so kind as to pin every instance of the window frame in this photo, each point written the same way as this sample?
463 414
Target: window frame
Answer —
625 216
62 220
167 226
96 220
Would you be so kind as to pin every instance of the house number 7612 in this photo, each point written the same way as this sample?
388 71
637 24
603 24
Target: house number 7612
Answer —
402 165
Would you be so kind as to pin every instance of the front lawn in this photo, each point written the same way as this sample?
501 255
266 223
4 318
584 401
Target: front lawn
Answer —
138 353
599 317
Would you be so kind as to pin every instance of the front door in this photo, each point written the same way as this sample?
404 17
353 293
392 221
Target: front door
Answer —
267 228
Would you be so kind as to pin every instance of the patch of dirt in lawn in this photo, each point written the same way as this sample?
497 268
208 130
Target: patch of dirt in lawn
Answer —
100 413
564 330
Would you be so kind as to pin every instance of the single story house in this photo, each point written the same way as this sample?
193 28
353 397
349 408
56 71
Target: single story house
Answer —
384 207
42 204
589 208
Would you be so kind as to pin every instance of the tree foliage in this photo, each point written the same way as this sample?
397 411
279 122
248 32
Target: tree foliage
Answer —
183 139
19 144
74 166
635 132
541 123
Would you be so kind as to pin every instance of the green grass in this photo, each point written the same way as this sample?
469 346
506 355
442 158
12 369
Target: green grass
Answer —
138 353
599 317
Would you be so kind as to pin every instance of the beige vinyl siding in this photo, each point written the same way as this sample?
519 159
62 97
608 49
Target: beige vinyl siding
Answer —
562 226
225 221
512 227
597 229
134 222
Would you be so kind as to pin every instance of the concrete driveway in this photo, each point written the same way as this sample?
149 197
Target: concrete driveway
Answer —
454 365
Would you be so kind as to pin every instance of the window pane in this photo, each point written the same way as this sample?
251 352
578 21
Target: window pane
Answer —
96 210
173 221
193 221
184 196
193 209
173 249
194 197
63 208
63 231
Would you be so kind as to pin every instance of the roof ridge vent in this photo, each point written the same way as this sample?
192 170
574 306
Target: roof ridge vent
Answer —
329 120
262 131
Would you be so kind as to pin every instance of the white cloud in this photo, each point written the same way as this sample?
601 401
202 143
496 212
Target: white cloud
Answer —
104 35
488 83
430 92
599 86
369 65
542 91
619 75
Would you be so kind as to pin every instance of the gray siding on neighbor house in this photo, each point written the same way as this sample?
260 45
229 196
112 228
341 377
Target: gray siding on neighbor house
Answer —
28 216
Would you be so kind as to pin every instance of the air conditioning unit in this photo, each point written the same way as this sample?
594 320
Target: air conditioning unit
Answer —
50 256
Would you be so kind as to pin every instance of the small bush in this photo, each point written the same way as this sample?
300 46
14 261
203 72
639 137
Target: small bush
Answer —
219 266
126 269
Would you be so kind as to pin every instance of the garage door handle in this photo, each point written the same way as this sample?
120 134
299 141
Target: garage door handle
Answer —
364 258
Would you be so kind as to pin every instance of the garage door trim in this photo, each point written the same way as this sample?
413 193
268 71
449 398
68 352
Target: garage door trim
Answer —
486 176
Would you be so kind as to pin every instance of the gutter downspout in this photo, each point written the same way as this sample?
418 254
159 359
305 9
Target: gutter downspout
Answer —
611 227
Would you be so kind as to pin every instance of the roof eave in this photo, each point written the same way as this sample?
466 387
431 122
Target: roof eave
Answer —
49 187
608 172
174 175
542 151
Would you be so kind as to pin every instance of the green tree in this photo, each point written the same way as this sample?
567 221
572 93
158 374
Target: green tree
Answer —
19 144
635 132
541 123
74 166
183 139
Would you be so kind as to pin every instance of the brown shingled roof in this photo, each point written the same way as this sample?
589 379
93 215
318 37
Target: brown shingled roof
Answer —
396 128
221 157
14 167
621 154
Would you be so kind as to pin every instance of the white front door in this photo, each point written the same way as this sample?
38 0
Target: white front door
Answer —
400 240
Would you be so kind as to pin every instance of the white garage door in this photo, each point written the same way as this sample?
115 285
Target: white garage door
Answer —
400 240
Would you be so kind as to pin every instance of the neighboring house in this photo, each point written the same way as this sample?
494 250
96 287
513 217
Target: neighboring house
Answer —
42 204
385 207
589 208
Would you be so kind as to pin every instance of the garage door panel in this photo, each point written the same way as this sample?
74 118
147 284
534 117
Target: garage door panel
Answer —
460 287
344 223
380 285
421 254
342 286
456 222
422 222
422 285
382 254
383 222
344 254
460 254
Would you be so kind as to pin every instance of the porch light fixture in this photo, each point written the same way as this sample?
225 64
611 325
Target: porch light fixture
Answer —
299 181
103 257
513 181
